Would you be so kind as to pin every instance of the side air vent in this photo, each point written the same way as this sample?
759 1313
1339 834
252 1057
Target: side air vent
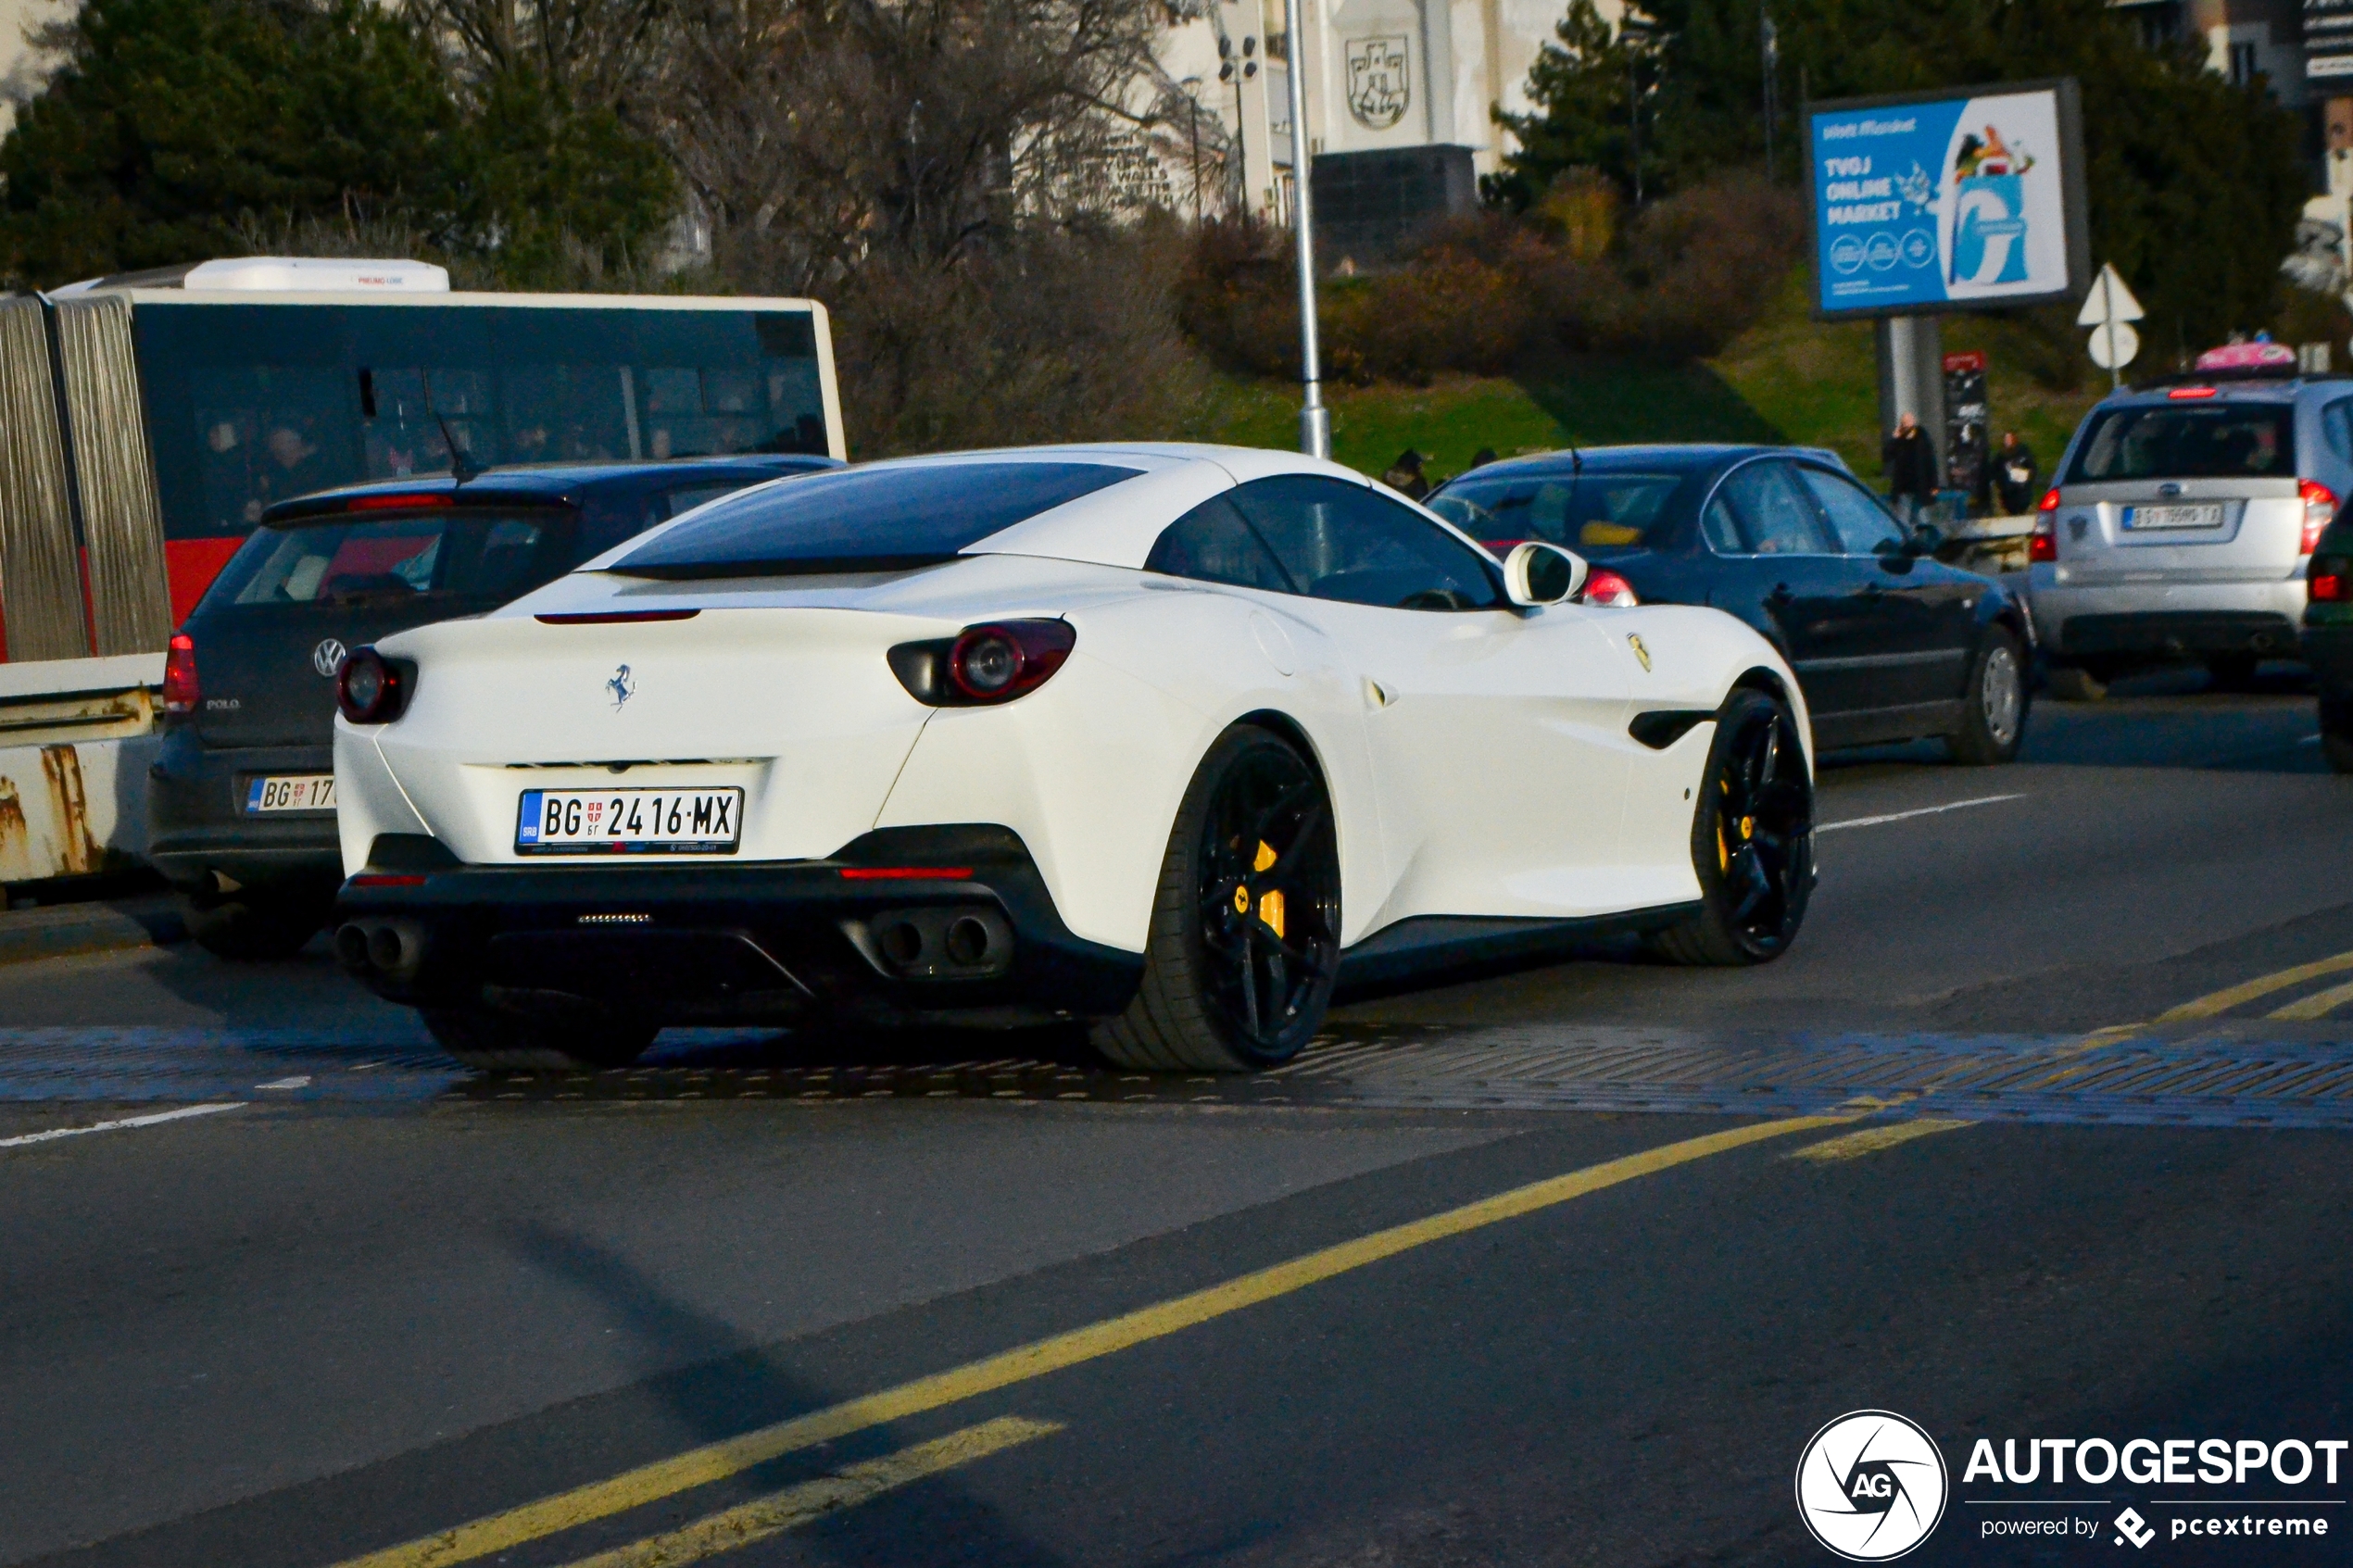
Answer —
1662 727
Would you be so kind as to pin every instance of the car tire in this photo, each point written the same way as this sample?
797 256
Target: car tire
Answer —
2232 671
1994 704
488 1041
1752 840
2337 733
258 927
1233 982
2072 683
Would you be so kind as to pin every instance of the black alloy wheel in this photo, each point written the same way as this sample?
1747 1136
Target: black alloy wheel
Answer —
1752 839
1245 936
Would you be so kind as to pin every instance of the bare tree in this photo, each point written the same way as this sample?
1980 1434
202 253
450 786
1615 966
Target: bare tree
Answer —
598 54
815 134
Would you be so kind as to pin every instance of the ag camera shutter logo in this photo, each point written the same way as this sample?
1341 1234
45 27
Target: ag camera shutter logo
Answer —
1871 1485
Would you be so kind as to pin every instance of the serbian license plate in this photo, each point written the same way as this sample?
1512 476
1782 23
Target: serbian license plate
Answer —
629 821
2139 518
299 792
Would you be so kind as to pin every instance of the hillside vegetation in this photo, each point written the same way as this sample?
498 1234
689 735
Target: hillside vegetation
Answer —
1788 378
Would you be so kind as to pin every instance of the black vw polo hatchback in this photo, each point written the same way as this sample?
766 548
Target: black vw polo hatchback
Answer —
241 805
1888 643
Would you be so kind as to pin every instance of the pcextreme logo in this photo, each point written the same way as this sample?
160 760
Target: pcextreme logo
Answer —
1871 1485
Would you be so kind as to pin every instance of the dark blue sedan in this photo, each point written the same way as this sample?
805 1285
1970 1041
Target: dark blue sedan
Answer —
240 801
1888 643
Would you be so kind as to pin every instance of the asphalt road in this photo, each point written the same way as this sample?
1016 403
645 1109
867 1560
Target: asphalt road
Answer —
1560 1264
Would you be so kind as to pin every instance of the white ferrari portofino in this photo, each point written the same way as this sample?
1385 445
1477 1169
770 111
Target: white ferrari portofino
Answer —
1168 739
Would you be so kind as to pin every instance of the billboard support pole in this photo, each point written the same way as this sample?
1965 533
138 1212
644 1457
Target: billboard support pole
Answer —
1911 375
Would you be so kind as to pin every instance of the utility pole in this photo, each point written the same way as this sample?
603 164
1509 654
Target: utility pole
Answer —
1315 419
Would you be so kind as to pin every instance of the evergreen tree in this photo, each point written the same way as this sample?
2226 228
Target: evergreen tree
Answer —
169 126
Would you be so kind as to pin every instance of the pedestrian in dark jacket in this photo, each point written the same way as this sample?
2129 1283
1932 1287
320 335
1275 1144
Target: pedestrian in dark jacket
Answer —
1406 475
1908 459
2015 472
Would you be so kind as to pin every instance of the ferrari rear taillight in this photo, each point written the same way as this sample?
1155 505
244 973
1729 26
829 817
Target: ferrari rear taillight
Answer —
1605 587
2320 509
369 689
993 662
179 691
998 663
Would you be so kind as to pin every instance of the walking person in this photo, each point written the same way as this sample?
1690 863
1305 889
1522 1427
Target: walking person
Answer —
1907 458
2015 472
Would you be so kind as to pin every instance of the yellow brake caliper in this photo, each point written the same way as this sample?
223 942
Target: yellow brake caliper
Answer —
1270 905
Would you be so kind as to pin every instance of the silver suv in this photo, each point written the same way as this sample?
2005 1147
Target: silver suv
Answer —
2182 523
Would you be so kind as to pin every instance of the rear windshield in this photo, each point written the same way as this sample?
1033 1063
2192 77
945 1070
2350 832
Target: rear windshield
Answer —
2189 441
423 558
865 519
1588 511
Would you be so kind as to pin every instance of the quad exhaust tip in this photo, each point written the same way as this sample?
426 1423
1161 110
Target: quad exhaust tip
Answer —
938 944
391 949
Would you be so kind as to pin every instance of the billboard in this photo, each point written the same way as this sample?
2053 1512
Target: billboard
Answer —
2328 38
1967 198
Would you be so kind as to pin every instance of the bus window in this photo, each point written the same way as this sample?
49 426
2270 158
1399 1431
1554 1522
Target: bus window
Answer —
248 405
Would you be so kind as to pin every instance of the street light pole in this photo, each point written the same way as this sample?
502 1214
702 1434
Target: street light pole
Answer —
1315 419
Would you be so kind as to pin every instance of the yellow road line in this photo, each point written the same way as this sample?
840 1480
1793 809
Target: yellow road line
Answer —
716 1461
2320 1004
1871 1140
2222 1001
812 1500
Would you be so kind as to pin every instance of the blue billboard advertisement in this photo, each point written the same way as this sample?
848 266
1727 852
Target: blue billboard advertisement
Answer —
1967 199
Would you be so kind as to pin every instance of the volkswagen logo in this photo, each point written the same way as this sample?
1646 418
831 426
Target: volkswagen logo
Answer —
1870 1486
327 658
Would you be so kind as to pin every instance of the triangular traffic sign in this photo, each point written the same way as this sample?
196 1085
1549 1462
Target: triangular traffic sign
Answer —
2108 301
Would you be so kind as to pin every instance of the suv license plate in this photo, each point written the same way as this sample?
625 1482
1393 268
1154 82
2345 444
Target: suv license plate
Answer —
296 792
629 821
2207 516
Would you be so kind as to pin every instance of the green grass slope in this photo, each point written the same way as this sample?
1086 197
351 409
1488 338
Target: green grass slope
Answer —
1789 378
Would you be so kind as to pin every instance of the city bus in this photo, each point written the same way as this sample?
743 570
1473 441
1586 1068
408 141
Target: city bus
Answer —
147 419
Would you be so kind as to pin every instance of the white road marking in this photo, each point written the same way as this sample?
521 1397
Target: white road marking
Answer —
2310 740
185 1111
300 1081
1922 811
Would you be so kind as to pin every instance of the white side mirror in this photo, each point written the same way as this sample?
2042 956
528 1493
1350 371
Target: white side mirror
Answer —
1537 574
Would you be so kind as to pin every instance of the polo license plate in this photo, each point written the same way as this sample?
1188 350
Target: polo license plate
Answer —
290 792
629 821
2137 518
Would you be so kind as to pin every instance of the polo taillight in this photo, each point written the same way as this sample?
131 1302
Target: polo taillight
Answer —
2320 509
2043 543
1603 586
180 692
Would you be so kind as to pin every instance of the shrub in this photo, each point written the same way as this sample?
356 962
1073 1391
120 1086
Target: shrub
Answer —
1487 290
